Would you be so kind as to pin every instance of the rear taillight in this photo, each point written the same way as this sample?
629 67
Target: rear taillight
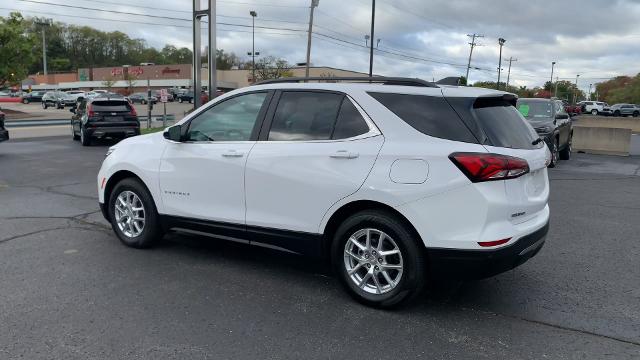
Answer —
481 167
90 111
132 112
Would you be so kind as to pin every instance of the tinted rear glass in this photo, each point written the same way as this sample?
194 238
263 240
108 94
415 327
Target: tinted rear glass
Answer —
535 109
350 123
110 106
430 115
503 125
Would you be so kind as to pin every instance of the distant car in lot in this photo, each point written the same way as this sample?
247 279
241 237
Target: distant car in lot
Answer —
102 117
94 93
34 96
394 180
157 95
552 123
595 107
572 110
76 94
4 133
141 98
5 94
185 97
625 110
57 99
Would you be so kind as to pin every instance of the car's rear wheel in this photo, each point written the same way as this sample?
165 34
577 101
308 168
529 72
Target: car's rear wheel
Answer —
565 154
636 113
554 153
73 133
616 113
377 259
143 102
85 139
180 100
594 112
25 101
133 214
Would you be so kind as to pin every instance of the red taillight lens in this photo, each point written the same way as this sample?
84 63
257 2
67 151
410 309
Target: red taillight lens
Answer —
493 243
487 167
133 111
90 111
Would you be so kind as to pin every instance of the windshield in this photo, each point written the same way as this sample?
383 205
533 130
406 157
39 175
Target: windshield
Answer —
535 109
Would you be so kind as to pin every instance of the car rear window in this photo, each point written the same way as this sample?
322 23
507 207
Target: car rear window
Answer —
431 115
503 124
111 106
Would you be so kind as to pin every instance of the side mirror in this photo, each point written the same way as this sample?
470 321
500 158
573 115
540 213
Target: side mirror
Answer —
173 133
562 116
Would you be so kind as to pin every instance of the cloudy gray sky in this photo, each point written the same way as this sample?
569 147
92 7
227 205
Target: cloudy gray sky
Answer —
597 39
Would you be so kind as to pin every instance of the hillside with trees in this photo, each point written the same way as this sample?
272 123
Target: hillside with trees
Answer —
621 89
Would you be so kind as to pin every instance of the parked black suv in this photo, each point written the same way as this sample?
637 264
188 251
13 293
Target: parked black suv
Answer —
34 96
102 117
4 133
552 123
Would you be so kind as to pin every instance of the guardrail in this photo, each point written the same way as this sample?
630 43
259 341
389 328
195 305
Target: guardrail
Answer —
53 122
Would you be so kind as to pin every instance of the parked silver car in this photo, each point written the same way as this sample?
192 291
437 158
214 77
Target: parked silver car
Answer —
625 110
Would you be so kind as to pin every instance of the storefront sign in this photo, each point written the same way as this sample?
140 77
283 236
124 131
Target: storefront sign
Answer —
169 70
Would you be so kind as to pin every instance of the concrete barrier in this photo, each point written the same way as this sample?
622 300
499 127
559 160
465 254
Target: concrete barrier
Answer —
610 122
601 140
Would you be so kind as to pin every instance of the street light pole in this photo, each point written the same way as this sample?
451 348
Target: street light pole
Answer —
590 85
509 72
253 46
501 41
314 3
373 20
575 93
553 63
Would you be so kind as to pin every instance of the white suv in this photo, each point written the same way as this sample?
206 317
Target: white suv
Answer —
392 180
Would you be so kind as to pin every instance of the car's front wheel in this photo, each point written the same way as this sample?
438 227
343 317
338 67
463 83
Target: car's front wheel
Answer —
133 214
594 112
25 101
44 105
378 259
85 139
636 113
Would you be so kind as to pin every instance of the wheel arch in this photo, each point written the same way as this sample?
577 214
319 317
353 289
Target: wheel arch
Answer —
353 207
116 178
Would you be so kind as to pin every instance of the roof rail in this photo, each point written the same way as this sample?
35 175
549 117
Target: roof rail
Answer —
365 79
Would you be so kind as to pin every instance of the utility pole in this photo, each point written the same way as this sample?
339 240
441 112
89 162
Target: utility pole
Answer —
253 46
590 85
555 92
553 63
44 22
501 42
373 20
509 72
198 14
314 4
575 93
473 44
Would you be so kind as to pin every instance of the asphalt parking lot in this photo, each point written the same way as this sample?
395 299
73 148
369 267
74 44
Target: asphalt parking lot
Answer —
70 290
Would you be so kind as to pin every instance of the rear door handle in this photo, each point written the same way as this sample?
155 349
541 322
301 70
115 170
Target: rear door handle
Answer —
232 153
344 154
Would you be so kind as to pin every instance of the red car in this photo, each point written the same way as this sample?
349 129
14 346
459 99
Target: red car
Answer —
572 110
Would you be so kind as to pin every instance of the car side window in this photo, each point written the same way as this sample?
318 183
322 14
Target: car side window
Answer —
305 115
229 120
350 122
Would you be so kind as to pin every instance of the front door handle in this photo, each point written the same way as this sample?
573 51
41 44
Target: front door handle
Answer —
344 154
233 153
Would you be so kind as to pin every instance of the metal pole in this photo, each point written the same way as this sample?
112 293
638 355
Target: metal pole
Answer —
501 42
164 115
553 63
473 44
373 20
590 91
44 51
253 51
575 92
148 102
509 73
213 78
314 3
197 60
555 92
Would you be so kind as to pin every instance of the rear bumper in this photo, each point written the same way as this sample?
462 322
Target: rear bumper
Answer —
4 135
481 263
117 132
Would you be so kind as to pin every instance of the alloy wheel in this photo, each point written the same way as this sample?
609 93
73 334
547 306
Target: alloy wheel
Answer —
373 261
129 214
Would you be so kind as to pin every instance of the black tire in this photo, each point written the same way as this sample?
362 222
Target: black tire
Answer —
76 137
44 105
85 139
190 101
414 273
616 113
594 112
143 102
636 113
25 101
554 153
565 154
152 231
180 100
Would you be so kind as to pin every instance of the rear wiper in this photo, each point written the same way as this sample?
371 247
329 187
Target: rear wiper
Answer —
536 141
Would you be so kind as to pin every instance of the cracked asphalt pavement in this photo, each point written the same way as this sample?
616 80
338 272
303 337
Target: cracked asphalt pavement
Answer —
70 290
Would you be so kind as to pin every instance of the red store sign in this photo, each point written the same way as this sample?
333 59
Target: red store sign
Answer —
168 70
116 71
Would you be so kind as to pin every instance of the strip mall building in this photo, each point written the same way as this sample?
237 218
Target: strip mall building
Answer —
134 78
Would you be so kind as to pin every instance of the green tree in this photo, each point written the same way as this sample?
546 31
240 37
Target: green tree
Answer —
271 67
16 48
108 82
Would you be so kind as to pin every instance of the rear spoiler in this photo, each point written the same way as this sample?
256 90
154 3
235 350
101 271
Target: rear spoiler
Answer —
495 100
